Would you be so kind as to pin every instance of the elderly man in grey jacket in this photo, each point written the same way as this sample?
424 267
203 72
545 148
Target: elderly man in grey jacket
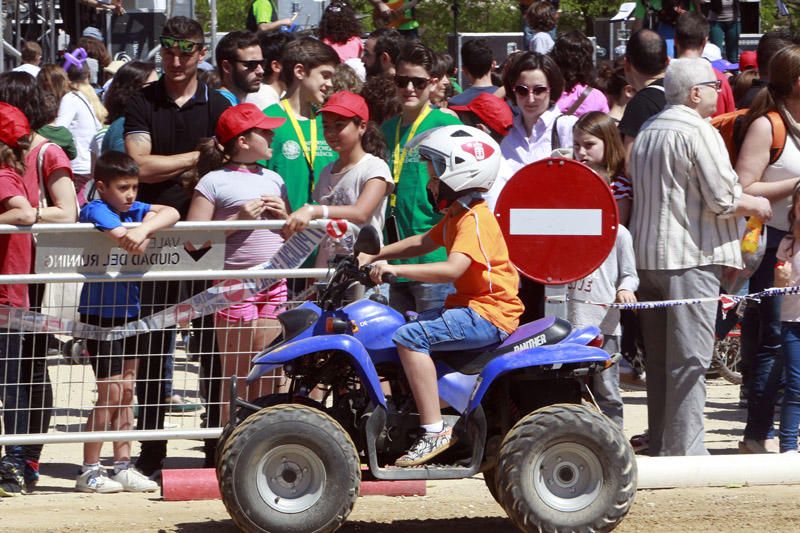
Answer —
684 227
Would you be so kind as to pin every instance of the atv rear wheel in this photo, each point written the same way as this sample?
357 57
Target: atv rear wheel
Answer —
566 467
289 468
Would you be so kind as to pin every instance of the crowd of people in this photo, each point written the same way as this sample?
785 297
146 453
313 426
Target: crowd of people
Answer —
299 129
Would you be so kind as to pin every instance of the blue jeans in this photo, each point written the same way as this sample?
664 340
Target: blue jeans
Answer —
729 33
448 330
761 347
790 407
605 385
418 297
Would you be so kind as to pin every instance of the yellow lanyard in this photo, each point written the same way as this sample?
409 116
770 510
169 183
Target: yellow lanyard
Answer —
302 138
400 156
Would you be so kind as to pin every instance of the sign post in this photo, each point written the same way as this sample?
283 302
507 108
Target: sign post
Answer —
559 219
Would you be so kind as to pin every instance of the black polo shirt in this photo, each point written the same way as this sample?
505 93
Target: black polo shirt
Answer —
648 102
172 130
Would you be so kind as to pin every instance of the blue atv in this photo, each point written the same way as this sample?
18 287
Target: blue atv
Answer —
522 411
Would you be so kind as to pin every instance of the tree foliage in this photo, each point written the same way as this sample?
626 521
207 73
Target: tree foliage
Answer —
482 16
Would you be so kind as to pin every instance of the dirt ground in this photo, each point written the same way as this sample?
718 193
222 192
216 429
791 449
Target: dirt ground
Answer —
449 507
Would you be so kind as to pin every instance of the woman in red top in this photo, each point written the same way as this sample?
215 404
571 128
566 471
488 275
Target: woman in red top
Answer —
16 201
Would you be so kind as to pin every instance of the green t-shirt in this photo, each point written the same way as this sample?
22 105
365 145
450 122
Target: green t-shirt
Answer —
414 213
289 160
262 10
641 10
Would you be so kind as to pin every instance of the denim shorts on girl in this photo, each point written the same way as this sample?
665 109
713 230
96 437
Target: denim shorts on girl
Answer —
446 330
268 303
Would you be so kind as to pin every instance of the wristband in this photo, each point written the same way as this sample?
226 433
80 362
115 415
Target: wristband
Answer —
38 214
324 211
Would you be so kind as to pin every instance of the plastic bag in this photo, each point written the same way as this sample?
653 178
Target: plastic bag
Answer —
753 244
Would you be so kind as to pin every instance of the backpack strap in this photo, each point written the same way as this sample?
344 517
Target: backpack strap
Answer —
555 141
40 174
577 103
778 136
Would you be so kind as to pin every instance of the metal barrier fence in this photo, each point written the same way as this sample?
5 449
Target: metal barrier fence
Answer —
71 377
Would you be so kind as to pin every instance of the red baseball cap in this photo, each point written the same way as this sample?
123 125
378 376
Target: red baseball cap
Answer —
493 111
346 104
240 118
13 125
748 60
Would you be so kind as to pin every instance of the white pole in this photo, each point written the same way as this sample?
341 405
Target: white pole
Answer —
3 38
718 471
212 4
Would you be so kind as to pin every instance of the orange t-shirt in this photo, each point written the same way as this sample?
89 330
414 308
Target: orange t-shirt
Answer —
490 284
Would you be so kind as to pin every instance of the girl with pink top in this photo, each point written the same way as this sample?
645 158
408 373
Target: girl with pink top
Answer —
573 53
235 187
340 29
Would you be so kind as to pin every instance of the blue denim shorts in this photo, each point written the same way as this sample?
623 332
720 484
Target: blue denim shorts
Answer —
445 330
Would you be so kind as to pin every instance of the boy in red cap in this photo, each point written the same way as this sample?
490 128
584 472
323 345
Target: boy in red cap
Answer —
487 112
17 199
356 186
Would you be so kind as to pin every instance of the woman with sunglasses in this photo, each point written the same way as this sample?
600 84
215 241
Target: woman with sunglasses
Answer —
534 84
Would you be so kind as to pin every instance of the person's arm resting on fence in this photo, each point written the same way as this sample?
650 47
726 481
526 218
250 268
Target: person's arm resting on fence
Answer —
17 211
135 239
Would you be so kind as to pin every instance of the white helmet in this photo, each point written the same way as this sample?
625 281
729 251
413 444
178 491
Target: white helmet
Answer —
463 157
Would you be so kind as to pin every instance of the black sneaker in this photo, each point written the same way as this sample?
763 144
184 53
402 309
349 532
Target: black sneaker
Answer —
12 480
427 446
150 467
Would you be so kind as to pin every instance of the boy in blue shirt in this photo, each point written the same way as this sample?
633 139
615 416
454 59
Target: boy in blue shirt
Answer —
112 304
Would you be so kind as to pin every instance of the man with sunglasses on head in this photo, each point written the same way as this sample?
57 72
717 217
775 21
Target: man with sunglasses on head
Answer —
410 210
163 124
240 63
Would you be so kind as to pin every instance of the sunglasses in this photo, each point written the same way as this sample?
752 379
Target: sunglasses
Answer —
523 90
251 64
184 46
716 85
418 83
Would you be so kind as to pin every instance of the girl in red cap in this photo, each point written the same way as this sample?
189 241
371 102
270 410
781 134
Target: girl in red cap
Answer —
355 187
234 186
17 199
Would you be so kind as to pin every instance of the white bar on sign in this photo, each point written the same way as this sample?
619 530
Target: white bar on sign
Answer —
556 222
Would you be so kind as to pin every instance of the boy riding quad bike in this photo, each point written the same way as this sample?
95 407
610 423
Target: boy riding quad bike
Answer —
515 395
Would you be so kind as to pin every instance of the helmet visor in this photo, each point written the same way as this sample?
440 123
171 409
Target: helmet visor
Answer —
439 164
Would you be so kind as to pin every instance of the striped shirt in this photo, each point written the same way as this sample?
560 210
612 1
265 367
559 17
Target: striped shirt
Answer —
686 193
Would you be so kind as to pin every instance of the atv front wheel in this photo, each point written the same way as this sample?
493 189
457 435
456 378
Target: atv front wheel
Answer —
289 468
242 413
566 467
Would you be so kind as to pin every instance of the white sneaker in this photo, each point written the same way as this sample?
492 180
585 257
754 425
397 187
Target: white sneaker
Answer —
132 480
97 480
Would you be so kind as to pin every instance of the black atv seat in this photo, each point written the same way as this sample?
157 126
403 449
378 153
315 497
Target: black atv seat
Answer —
548 330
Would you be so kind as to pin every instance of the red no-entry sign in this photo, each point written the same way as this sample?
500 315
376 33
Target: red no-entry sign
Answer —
559 219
